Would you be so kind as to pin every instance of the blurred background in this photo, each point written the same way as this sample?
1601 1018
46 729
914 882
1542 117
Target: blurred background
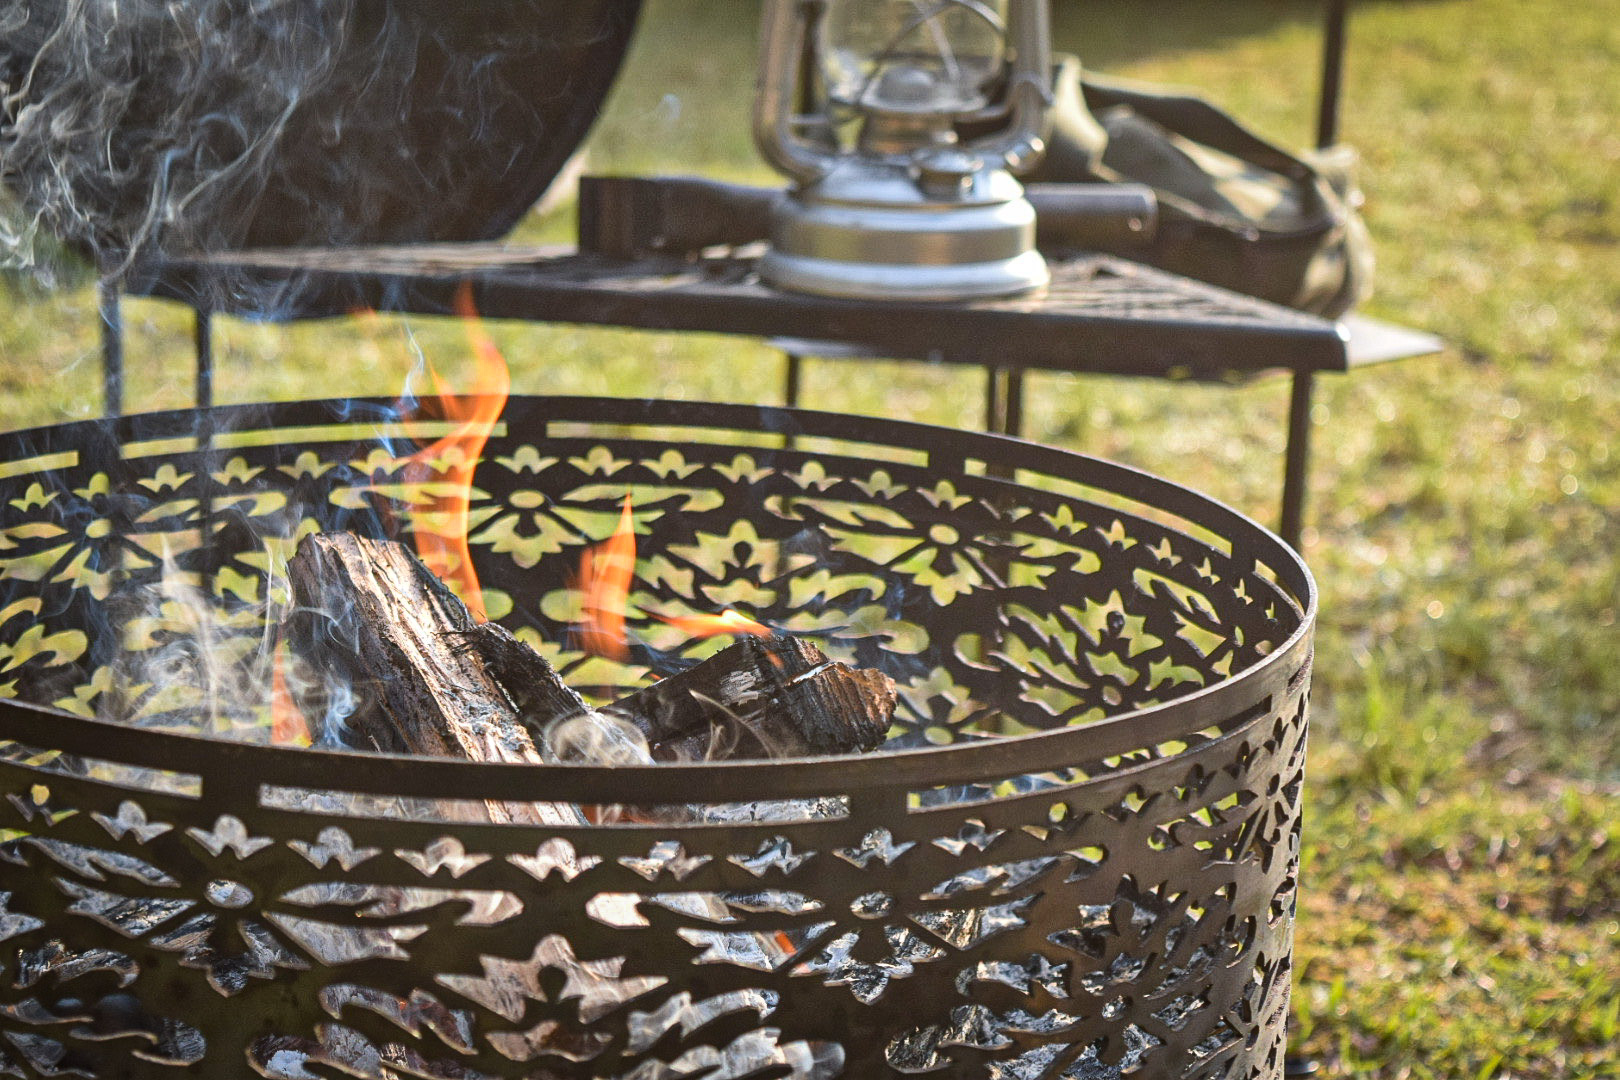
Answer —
1461 889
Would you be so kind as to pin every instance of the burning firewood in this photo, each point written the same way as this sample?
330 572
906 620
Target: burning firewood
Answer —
762 697
370 611
438 683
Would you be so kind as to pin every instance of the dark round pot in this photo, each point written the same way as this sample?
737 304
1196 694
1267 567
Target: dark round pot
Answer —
297 122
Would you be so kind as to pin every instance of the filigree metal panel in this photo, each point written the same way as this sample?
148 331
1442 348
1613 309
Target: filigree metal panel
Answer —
1076 857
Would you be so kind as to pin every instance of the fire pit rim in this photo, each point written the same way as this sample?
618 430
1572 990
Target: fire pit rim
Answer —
379 773
671 782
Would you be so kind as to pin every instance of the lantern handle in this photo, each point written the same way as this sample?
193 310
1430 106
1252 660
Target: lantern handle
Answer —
1029 90
775 129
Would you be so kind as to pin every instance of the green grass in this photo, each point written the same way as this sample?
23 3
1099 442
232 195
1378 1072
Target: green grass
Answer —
1460 915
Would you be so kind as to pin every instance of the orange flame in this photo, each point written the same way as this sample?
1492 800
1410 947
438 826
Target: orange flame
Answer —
453 459
287 726
603 584
605 571
727 622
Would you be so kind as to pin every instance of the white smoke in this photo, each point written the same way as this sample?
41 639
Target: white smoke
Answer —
125 123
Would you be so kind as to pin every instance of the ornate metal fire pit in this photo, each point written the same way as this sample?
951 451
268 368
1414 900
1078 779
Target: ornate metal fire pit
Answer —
1077 859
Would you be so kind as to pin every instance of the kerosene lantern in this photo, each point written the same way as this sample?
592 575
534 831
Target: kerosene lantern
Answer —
863 104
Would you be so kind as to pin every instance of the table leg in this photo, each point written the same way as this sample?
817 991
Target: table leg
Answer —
793 379
1014 418
112 348
1296 468
205 359
1333 42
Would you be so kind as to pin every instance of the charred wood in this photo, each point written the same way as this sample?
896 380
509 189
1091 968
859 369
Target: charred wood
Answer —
368 611
763 697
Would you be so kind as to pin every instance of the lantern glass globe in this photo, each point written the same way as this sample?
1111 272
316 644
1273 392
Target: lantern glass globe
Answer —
927 56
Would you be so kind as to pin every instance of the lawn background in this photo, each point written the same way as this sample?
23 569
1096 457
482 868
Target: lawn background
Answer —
1460 912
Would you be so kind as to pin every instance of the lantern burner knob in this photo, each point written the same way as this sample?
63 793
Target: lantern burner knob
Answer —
946 172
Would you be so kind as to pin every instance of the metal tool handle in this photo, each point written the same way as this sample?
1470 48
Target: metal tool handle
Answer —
1117 218
632 217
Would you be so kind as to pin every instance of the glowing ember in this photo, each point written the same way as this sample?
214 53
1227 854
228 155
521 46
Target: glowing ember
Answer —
727 622
604 586
443 470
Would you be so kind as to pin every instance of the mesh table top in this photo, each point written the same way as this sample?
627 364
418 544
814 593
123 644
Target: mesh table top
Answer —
1101 313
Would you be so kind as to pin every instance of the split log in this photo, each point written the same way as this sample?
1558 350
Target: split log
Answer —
428 679
533 685
368 611
763 697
